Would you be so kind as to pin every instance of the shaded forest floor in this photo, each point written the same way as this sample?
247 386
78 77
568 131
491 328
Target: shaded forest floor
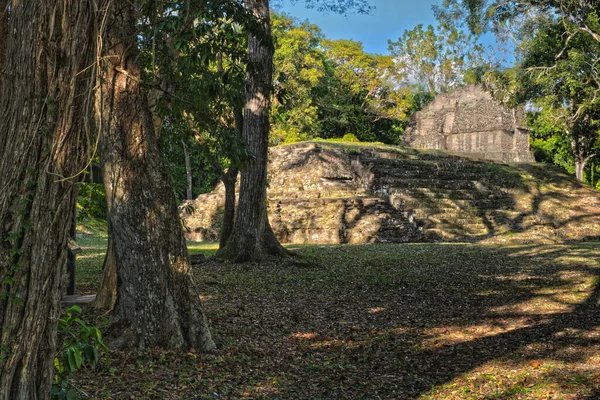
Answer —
407 321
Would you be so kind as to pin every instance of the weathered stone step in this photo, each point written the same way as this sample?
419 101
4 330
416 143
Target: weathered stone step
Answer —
434 193
436 204
424 159
428 160
464 213
467 227
439 175
296 193
418 165
435 183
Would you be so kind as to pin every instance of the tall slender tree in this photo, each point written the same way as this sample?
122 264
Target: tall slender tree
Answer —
44 99
157 303
252 237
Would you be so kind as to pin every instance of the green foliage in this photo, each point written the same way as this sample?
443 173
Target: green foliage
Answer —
349 137
205 174
194 58
328 88
439 59
362 94
343 7
548 141
91 201
299 68
81 345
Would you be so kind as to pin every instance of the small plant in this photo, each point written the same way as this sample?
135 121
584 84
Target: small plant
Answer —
81 344
350 137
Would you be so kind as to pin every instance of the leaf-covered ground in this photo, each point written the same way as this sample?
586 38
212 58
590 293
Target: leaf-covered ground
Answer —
408 321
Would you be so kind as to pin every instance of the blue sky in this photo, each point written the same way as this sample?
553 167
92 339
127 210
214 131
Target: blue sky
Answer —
388 21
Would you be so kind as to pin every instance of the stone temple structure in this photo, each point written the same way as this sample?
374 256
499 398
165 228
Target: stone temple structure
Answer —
470 122
340 193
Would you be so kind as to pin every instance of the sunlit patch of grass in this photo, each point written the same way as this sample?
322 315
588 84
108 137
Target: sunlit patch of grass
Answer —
535 379
89 262
207 248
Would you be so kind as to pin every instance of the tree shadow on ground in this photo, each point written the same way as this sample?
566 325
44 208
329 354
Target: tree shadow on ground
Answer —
407 324
408 321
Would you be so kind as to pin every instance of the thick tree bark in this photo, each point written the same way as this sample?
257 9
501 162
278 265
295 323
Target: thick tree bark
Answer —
251 228
43 108
157 302
3 35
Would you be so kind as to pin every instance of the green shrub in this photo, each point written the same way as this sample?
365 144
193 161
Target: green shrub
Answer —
350 137
81 345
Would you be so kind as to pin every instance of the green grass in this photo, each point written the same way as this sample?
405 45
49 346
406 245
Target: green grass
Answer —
406 321
89 262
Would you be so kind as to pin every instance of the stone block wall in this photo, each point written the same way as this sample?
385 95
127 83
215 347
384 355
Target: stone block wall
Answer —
470 121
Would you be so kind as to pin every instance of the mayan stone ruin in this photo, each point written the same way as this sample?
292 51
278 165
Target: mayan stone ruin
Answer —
324 193
470 122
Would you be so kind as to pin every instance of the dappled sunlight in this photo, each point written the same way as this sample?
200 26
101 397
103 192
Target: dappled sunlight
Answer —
202 246
317 342
431 321
90 256
538 378
535 306
335 343
449 335
531 251
591 334
268 388
303 336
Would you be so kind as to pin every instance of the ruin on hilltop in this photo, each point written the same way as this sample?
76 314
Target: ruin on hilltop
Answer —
470 122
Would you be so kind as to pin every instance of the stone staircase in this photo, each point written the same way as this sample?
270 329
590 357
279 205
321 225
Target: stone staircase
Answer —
445 197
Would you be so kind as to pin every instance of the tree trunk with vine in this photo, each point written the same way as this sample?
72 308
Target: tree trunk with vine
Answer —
44 103
157 302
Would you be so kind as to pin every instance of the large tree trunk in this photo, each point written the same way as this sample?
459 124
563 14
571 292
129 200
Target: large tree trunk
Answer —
43 108
251 230
157 302
3 35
